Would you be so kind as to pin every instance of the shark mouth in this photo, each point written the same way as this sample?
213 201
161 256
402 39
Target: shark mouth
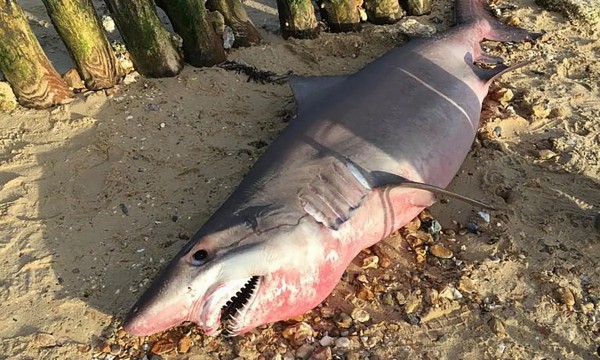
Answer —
232 313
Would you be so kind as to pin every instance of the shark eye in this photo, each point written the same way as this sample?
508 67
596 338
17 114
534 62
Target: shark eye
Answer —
199 257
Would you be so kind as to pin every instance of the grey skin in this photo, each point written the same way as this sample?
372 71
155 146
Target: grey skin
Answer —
406 119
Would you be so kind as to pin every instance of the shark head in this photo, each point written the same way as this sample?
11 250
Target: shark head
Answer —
239 278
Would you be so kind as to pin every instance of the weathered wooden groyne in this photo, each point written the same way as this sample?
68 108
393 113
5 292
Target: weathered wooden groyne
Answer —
151 47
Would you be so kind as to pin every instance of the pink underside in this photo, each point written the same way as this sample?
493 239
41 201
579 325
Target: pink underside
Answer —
377 224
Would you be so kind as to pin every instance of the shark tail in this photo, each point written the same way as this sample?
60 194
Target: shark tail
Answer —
474 12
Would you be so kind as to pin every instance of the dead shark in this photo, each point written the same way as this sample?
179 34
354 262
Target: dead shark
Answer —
364 156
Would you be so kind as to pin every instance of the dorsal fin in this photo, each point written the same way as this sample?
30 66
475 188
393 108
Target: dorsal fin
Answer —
312 87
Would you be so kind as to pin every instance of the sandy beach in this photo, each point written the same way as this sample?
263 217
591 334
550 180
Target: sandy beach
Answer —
98 195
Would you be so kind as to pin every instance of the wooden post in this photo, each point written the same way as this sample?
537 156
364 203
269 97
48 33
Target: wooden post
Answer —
201 45
151 46
236 18
78 25
297 19
342 15
24 64
382 12
418 7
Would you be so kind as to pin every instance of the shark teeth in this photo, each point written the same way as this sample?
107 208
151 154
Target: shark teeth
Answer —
235 308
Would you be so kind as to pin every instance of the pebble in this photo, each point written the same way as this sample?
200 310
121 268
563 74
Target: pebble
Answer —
343 320
45 340
472 228
131 78
384 259
326 340
163 346
467 285
304 351
484 215
450 293
322 354
545 154
370 262
565 296
364 293
503 95
8 100
360 315
440 251
353 355
497 327
298 332
184 345
540 111
108 23
342 342
414 225
414 27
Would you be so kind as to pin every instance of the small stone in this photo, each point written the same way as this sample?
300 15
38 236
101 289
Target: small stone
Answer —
484 215
513 21
364 293
432 296
370 262
440 251
326 340
304 351
121 333
421 255
466 285
413 304
73 80
450 293
353 355
322 354
126 65
131 78
565 296
384 259
45 340
83 348
472 228
343 321
413 225
540 111
342 342
108 23
298 332
153 107
497 327
327 312
115 349
414 27
545 154
360 315
8 100
184 345
503 95
163 346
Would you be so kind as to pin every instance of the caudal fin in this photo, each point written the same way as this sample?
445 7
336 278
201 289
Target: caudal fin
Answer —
474 12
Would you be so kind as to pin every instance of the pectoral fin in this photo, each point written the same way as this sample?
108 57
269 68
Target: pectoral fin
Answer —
337 191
